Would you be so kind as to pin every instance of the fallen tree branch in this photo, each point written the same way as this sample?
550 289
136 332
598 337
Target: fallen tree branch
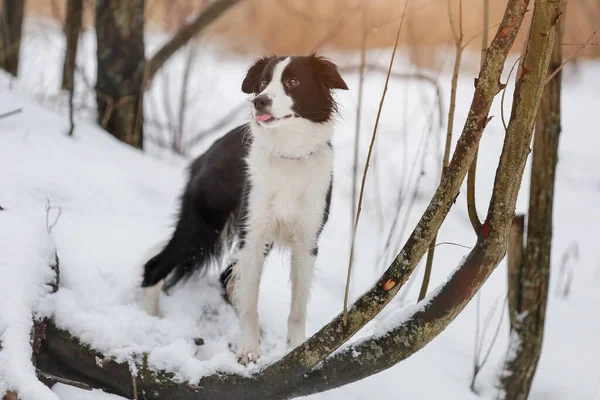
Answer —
49 380
295 374
367 357
313 351
11 113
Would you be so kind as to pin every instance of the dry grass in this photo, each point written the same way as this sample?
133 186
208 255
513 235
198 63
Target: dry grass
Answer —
303 26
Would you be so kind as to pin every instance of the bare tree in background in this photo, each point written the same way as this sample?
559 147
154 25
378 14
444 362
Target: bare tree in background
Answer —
529 263
123 71
72 28
120 66
11 25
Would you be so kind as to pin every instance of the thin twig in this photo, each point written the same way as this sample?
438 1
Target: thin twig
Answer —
458 38
471 202
65 381
71 111
134 384
185 83
222 122
476 352
562 65
361 78
49 207
11 113
364 178
504 93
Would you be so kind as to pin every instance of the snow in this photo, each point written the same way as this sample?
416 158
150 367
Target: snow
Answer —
26 254
116 203
70 392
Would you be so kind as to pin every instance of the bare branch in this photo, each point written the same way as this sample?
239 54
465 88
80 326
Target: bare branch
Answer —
373 301
471 202
188 31
47 377
11 113
458 42
361 79
562 65
529 264
364 178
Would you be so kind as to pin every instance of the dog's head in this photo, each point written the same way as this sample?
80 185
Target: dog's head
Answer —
288 88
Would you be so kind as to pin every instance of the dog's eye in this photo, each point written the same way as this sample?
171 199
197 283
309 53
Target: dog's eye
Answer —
263 85
293 82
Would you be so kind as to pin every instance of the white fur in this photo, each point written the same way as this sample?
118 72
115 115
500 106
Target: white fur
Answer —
282 103
150 295
289 168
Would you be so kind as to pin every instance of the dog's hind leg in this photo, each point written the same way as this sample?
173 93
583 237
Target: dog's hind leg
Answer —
150 297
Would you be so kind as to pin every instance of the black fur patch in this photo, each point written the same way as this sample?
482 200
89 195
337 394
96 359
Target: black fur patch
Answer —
317 77
216 195
211 197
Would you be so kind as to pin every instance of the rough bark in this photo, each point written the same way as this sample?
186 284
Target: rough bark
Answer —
529 280
37 334
514 261
72 28
314 350
11 25
120 62
294 375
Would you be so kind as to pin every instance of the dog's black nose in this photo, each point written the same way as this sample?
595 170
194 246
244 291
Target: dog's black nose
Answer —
262 102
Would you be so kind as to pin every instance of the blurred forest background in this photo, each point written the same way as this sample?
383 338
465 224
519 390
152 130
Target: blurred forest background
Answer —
303 26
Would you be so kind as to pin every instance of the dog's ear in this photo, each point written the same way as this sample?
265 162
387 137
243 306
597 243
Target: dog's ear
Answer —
252 80
328 73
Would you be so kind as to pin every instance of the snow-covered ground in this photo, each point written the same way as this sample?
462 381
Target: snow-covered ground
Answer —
116 202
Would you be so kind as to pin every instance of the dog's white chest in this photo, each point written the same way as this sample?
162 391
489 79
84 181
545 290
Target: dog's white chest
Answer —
289 191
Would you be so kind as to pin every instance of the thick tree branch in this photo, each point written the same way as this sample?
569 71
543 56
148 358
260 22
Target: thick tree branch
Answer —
295 374
514 260
529 274
378 353
315 349
441 308
185 33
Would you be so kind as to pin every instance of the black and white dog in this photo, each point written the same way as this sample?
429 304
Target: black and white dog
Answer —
264 183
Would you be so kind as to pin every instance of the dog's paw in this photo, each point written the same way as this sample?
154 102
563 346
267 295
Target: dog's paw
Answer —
248 356
295 339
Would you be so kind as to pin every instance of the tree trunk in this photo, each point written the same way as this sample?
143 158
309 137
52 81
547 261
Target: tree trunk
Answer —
72 29
529 273
11 24
121 63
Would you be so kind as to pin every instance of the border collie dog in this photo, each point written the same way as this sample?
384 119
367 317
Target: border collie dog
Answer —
264 183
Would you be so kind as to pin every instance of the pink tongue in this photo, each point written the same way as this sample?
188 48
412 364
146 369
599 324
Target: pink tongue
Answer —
263 117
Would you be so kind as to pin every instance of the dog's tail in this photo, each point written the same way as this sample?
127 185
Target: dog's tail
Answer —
207 220
193 246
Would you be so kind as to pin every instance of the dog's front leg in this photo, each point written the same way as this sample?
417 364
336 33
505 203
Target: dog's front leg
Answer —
247 272
303 265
